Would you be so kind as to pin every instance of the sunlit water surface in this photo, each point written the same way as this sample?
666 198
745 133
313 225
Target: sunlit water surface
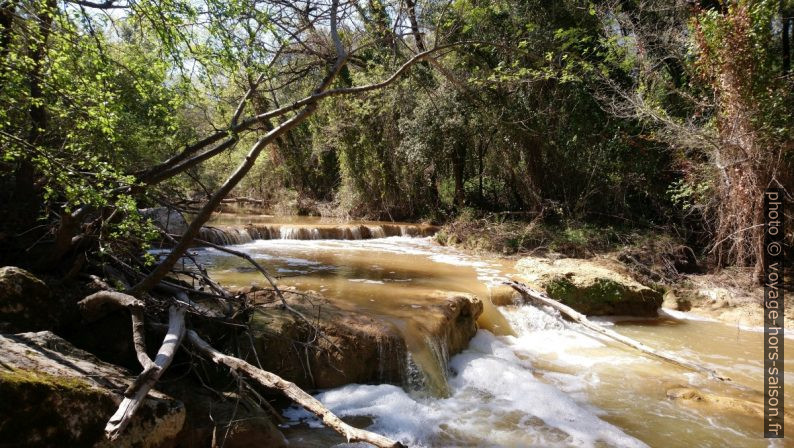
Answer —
527 378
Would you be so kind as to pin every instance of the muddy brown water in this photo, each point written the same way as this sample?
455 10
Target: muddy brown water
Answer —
528 378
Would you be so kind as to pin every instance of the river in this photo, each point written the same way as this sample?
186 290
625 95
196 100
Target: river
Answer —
528 378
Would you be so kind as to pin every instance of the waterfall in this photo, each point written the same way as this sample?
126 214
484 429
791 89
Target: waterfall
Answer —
231 235
377 232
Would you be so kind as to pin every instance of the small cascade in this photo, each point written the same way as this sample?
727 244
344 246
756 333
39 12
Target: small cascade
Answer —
377 232
353 232
291 233
230 235
225 236
392 361
427 365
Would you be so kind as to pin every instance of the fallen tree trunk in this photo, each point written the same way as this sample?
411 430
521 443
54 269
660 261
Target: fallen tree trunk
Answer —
273 381
543 299
244 200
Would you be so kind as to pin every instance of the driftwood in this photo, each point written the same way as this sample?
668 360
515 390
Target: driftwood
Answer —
292 391
243 200
147 379
543 299
95 305
98 304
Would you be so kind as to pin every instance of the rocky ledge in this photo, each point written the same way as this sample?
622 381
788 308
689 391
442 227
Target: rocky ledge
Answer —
54 394
592 287
354 347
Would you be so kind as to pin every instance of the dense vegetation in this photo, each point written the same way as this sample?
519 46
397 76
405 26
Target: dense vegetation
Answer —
646 112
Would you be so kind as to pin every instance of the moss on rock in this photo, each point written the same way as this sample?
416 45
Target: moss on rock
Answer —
53 394
591 287
40 409
26 303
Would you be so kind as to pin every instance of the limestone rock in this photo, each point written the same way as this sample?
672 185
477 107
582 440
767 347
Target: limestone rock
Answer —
26 303
675 300
436 333
356 347
695 398
54 394
595 288
170 220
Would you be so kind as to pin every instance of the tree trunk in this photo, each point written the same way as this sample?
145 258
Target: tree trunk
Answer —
7 12
420 41
380 20
480 169
204 214
25 175
784 36
582 319
459 171
743 162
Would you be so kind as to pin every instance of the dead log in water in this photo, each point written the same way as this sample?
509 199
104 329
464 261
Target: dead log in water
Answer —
543 299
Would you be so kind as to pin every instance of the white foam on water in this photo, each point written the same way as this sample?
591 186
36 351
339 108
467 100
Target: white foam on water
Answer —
364 280
489 384
456 260
683 315
543 333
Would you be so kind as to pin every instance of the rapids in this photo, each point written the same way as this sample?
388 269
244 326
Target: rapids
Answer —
528 378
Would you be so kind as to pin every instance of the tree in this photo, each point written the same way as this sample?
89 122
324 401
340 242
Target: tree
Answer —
288 56
722 106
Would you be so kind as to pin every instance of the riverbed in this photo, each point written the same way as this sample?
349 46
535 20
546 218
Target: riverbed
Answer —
528 378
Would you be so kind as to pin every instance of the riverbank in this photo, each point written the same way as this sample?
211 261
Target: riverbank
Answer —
657 260
420 342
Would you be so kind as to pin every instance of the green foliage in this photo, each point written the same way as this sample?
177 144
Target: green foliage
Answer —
584 112
107 107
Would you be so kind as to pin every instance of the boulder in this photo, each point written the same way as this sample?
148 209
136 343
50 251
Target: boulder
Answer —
26 303
714 403
353 348
54 394
168 219
592 287
675 300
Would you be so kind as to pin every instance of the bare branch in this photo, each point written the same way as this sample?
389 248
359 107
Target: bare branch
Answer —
543 299
107 4
292 391
176 331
